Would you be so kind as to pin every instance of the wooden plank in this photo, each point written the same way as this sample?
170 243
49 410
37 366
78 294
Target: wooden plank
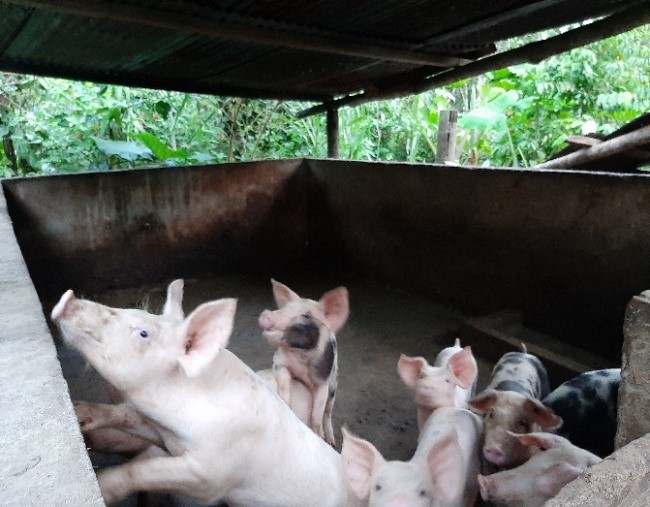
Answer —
446 147
493 335
530 53
602 150
333 133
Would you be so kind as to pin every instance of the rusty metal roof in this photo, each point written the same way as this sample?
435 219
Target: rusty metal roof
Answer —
316 50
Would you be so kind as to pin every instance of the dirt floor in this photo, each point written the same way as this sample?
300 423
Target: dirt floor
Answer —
371 399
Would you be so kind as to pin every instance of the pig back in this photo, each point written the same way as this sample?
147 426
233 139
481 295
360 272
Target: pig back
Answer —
468 428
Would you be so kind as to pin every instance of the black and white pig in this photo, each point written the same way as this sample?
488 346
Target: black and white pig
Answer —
511 403
588 404
302 330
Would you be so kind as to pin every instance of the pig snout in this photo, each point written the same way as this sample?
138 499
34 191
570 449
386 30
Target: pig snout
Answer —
62 306
494 454
400 501
265 320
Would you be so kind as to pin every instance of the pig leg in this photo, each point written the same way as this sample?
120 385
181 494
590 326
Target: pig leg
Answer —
327 419
157 474
318 410
111 440
93 416
283 379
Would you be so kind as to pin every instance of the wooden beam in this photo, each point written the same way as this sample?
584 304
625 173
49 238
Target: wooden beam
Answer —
446 147
599 151
333 133
248 29
534 52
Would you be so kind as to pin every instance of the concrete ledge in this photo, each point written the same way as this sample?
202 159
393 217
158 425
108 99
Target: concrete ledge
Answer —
43 459
621 480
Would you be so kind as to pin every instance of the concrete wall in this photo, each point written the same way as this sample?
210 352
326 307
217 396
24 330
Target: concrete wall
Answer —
43 460
98 230
566 248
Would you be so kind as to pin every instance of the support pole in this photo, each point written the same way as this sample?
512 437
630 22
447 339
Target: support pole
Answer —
446 149
332 132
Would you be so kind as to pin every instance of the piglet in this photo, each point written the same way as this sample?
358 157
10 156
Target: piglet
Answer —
588 404
442 472
221 433
449 382
511 403
303 332
556 463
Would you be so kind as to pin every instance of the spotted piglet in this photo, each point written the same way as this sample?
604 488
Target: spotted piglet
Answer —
556 462
449 382
511 403
303 332
588 405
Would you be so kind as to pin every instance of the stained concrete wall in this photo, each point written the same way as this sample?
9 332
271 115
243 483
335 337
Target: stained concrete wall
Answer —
43 459
566 248
100 230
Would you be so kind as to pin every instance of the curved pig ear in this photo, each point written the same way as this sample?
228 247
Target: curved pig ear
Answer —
541 440
174 302
463 366
556 477
483 402
409 368
445 466
335 307
204 333
539 413
359 460
283 294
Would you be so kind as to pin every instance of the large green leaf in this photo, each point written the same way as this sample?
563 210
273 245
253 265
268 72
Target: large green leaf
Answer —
128 150
160 150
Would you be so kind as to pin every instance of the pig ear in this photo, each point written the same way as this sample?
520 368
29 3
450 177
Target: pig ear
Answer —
538 413
283 294
359 460
204 333
463 365
541 440
445 465
483 402
556 477
174 303
409 368
336 308
484 487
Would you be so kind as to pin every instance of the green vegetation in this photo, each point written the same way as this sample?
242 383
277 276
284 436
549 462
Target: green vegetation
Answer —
511 117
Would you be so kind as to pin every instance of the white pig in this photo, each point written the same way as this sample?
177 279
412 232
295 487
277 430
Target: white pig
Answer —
303 330
542 476
442 472
448 383
227 436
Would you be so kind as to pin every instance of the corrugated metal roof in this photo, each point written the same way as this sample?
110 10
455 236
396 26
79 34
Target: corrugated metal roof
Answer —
292 49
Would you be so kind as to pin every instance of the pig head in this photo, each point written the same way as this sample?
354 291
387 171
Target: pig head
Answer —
441 473
556 463
506 412
303 332
447 384
225 434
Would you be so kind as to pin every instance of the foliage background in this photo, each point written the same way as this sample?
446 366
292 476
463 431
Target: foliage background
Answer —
516 116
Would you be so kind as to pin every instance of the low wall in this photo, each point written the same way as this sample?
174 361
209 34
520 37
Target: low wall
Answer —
566 248
100 230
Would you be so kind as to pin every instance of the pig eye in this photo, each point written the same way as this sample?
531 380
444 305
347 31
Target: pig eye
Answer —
423 493
144 333
490 414
523 423
377 487
306 315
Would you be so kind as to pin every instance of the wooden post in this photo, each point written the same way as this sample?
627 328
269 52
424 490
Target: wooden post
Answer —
332 132
446 150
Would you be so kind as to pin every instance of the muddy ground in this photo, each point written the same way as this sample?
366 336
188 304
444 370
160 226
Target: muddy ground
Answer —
371 399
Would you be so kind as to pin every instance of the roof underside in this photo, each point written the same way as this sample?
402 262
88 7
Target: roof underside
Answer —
315 50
